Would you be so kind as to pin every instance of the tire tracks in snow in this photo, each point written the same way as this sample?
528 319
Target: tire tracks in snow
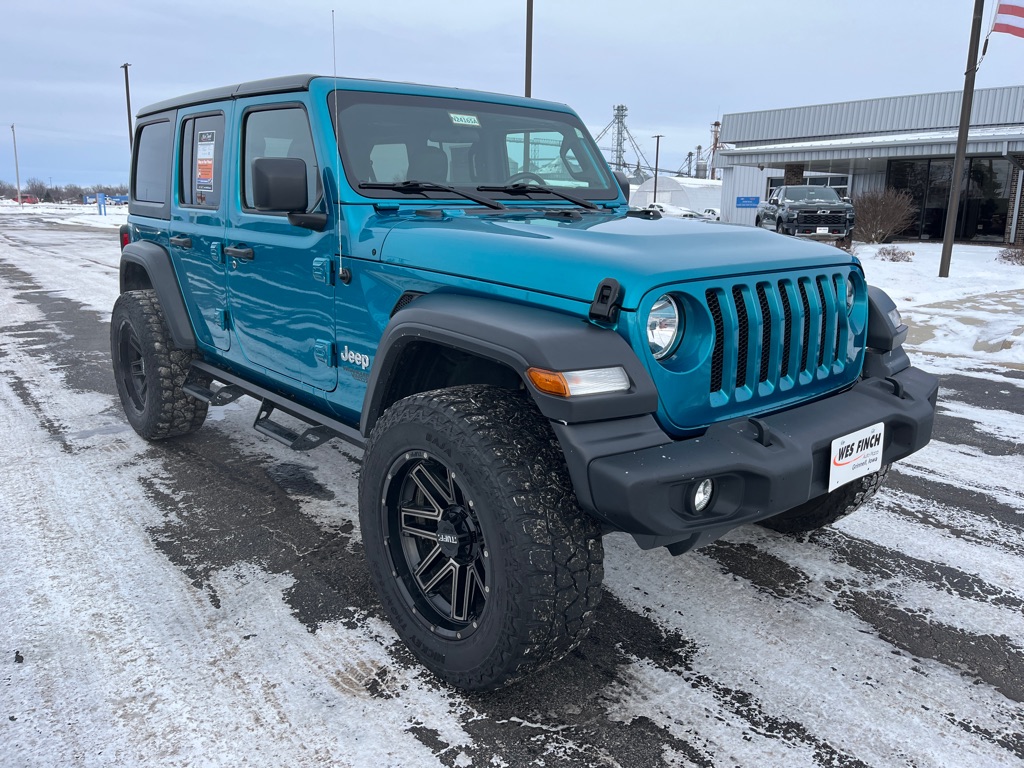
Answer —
243 624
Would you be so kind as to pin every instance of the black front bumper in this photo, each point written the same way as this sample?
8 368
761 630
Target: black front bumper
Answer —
632 482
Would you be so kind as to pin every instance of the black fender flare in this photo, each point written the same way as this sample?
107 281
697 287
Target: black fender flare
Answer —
155 262
519 337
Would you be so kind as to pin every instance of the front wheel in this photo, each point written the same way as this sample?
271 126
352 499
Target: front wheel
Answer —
779 228
482 559
827 509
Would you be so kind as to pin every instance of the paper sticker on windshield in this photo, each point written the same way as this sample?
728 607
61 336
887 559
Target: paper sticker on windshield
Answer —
204 160
465 119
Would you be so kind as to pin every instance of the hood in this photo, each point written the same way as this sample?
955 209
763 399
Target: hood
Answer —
568 258
816 206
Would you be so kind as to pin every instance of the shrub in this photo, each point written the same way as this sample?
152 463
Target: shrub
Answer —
883 213
892 253
1011 256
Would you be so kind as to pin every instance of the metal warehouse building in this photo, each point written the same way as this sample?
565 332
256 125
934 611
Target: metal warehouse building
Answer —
906 142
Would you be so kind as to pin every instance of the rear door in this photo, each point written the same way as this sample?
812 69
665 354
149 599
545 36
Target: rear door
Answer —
281 276
198 220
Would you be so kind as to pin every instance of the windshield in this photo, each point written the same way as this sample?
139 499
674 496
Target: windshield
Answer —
811 195
389 138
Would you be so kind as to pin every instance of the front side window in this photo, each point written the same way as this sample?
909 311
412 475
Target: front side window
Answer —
394 138
279 133
202 153
150 182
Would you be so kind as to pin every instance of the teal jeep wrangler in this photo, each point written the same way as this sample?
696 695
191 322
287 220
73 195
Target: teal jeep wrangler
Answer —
454 282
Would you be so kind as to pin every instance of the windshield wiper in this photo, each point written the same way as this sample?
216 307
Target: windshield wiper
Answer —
412 186
525 188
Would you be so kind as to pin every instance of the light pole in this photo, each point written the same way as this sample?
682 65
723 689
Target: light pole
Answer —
529 46
657 152
128 101
17 173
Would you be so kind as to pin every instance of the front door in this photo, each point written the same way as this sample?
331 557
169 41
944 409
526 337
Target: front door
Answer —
281 276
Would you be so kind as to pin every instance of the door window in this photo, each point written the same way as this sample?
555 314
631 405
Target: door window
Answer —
279 133
202 155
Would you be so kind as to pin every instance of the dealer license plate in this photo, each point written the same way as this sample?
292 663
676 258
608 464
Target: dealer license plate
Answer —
822 230
856 454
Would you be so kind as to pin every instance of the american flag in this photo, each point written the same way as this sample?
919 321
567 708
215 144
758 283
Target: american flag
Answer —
1010 19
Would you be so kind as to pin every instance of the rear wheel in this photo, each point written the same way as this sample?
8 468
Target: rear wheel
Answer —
149 370
829 508
482 559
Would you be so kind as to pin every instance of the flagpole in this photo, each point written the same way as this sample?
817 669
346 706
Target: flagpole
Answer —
961 139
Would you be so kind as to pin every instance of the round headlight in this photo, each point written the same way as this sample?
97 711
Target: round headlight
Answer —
851 294
663 326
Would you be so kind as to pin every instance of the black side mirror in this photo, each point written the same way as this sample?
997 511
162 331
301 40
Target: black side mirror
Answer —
279 184
623 180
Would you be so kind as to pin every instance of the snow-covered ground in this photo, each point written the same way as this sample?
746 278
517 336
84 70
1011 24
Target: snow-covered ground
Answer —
145 638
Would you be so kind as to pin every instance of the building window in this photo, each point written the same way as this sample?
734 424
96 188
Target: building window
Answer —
984 197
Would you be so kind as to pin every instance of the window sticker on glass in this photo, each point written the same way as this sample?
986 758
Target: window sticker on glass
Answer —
207 142
464 119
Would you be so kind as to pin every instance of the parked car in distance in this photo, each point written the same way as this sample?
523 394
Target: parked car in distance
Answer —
26 198
713 213
674 210
807 210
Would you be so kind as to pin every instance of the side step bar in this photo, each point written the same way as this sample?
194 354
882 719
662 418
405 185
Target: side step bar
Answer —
321 428
312 437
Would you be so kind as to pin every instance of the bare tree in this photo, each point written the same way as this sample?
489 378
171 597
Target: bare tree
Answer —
72 193
881 214
7 189
35 187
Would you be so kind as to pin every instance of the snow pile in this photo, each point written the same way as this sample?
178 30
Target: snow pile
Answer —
977 312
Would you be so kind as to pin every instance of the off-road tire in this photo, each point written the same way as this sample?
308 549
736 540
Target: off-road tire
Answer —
827 509
538 558
757 222
779 228
150 371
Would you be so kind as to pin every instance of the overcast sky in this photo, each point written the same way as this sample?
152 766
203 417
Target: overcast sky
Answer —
677 65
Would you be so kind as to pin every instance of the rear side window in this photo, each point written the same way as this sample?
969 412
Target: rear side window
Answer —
151 180
202 156
279 133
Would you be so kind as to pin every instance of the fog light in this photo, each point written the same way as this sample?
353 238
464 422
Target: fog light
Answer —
702 495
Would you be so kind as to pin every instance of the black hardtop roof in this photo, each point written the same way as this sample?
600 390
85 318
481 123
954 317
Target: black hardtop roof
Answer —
251 88
301 83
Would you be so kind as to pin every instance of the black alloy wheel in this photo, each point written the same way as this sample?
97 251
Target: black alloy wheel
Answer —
435 544
132 368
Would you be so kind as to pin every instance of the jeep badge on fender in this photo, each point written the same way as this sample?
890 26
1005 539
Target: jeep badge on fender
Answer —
454 282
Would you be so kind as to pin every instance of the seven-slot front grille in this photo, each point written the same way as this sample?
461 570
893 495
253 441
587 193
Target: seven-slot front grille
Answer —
788 331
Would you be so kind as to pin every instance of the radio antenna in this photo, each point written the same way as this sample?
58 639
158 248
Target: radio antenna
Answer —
343 274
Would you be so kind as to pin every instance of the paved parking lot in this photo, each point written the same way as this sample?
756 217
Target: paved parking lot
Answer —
206 601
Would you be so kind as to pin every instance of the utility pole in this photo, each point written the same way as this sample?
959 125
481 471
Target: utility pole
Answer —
961 140
657 153
128 101
17 173
529 47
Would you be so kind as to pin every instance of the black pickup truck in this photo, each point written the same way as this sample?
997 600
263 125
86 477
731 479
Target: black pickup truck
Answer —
807 211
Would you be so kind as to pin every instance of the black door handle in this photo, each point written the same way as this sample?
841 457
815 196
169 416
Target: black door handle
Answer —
181 242
242 253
